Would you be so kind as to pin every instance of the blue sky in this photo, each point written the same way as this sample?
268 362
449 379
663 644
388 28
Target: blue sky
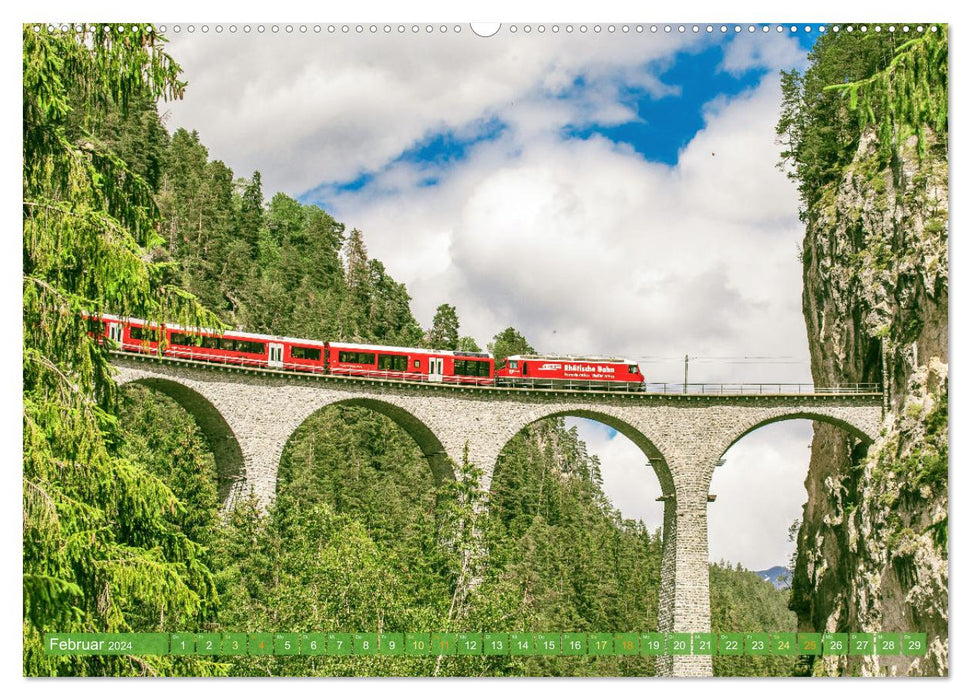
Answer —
659 128
666 125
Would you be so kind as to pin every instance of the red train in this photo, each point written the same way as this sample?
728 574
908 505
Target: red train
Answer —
296 354
361 360
544 371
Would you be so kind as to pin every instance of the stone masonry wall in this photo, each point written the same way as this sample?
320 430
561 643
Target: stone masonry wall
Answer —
682 436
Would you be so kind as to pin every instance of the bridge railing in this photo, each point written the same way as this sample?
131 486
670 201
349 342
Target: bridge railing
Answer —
413 377
262 364
742 389
668 388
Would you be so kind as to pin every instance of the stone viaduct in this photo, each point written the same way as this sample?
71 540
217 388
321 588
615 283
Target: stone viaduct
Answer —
249 415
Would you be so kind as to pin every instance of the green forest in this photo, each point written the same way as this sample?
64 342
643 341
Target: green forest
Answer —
123 528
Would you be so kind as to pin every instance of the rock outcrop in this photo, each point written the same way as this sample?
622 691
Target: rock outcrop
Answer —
873 542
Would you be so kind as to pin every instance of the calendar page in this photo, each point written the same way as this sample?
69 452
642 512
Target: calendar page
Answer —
451 349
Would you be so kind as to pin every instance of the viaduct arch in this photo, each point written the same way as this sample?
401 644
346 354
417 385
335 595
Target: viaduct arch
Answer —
249 415
230 464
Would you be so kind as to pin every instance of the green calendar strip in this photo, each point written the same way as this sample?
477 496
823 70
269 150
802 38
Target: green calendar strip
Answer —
653 644
835 644
227 644
495 644
522 644
731 644
469 644
313 644
391 644
914 644
418 644
94 644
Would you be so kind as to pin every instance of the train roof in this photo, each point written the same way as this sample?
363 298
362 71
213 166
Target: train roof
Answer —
573 358
213 331
392 348
286 339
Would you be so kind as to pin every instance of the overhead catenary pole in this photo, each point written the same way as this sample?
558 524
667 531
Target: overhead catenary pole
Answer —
884 376
686 374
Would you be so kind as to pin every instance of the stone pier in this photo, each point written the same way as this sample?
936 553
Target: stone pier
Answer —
248 416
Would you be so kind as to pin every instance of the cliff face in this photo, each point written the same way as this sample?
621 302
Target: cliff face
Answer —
873 543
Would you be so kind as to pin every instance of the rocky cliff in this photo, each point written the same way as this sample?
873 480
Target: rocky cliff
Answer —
873 543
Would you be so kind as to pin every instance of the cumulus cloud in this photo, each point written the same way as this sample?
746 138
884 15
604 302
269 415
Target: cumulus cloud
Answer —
773 51
585 246
310 108
760 491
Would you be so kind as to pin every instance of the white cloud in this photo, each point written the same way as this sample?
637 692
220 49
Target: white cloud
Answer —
311 108
760 491
612 252
753 50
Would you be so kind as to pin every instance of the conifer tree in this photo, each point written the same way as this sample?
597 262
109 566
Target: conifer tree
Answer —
509 342
101 551
444 333
467 343
251 213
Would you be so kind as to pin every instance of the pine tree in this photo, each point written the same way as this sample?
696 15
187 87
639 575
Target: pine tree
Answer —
250 219
467 343
509 342
444 333
101 551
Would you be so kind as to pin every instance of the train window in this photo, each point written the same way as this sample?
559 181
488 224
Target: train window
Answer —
632 369
185 339
210 342
471 368
513 364
417 364
393 363
299 353
149 334
357 358
250 346
96 326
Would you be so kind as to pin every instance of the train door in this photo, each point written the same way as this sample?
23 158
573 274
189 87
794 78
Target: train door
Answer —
276 355
436 368
115 332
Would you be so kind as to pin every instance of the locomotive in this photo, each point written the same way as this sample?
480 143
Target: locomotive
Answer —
569 372
362 360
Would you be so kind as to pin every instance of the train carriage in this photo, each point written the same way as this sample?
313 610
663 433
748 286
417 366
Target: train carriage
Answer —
563 372
410 364
207 345
235 347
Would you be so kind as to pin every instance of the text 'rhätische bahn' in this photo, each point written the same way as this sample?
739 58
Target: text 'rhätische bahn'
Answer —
369 361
